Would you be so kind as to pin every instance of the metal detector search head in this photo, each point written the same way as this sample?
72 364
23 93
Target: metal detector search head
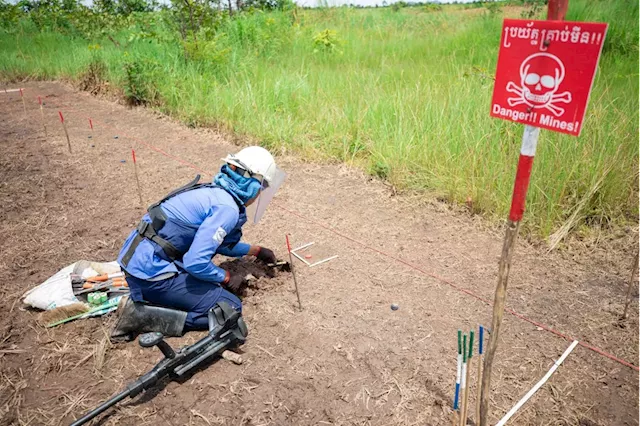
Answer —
222 318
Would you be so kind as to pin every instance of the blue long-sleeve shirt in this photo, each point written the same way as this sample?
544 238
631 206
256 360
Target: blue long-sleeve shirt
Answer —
218 220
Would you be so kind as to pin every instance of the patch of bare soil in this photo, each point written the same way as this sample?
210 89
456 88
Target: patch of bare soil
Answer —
347 358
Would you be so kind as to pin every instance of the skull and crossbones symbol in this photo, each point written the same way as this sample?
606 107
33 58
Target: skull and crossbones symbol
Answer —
540 78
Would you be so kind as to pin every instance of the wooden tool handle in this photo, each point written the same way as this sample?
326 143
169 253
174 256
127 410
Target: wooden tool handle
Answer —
233 357
106 277
117 282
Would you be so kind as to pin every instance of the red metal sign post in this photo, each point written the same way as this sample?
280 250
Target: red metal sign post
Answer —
543 79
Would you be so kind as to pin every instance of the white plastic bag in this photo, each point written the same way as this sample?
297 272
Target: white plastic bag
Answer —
57 290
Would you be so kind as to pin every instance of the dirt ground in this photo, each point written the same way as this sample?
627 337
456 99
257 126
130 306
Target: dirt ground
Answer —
347 358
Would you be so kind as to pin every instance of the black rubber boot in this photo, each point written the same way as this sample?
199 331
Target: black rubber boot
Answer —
135 318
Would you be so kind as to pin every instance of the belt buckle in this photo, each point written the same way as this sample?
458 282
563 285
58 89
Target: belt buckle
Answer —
142 227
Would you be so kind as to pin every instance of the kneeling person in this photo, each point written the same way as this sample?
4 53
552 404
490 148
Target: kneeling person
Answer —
168 258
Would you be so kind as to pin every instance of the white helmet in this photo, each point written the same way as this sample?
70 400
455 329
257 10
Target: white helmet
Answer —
256 161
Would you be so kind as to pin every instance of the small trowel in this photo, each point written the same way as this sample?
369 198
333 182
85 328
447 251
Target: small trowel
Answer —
281 265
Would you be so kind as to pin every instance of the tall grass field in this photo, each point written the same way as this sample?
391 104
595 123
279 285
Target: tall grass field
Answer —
402 92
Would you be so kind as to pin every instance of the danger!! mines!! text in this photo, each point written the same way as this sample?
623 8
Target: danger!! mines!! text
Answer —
534 118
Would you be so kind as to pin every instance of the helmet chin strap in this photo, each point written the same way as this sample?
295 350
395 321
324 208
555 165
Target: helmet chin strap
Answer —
252 200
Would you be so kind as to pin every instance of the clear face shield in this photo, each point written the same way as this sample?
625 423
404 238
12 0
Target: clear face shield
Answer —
256 209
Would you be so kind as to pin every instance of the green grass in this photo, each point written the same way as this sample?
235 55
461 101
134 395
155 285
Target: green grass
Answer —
404 94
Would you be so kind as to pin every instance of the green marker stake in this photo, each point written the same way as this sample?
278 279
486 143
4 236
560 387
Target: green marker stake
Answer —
464 349
467 380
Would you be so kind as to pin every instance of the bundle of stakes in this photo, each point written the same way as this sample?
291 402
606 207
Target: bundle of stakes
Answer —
463 377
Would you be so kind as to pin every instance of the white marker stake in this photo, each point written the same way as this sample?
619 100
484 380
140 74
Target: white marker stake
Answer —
303 246
135 169
300 258
456 395
24 105
463 387
463 376
42 117
66 132
293 252
323 261
538 385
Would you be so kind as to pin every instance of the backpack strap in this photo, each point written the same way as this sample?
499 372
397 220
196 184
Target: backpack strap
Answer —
188 187
146 230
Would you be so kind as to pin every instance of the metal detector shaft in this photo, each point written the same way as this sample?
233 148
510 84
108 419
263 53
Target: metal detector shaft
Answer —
101 408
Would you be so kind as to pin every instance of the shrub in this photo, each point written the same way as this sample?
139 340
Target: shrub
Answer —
381 169
210 52
93 80
493 7
432 7
326 41
139 88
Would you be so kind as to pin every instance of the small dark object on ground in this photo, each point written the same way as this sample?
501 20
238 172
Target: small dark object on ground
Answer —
395 306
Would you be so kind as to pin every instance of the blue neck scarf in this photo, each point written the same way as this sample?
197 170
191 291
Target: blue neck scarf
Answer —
241 188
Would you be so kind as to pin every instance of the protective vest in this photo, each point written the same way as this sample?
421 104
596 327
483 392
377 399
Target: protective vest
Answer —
172 236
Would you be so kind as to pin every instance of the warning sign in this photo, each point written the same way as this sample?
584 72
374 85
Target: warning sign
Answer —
545 72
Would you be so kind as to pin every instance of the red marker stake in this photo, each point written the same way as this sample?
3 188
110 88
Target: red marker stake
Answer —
135 168
91 127
42 116
293 272
24 105
556 11
64 126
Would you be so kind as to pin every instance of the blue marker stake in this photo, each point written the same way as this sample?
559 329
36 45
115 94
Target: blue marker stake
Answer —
480 348
456 398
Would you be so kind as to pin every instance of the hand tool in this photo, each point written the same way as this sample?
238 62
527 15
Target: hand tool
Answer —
283 265
75 278
111 285
109 304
